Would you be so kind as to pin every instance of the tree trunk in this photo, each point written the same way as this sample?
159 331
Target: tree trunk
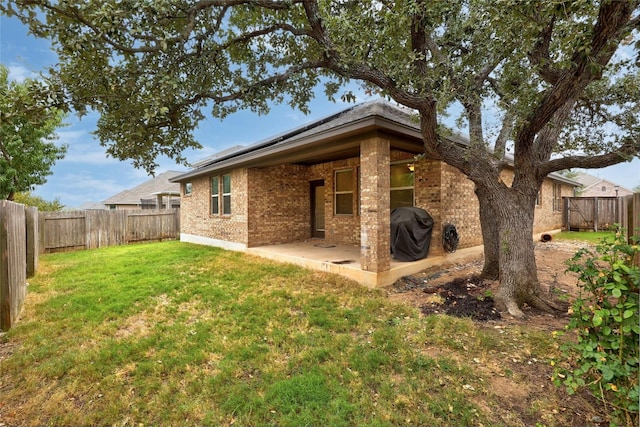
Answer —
490 238
519 286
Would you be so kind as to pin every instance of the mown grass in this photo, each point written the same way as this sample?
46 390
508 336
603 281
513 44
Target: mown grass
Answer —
591 237
180 334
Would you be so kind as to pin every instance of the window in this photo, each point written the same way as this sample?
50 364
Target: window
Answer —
226 194
188 189
557 197
604 188
343 192
401 185
215 195
216 184
539 198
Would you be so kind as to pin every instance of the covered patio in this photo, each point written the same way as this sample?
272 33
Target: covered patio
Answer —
345 260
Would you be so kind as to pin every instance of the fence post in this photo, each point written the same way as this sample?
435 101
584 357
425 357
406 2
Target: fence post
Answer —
33 240
13 266
87 230
126 227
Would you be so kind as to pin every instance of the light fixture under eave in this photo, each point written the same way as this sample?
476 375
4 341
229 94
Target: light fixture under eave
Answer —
411 166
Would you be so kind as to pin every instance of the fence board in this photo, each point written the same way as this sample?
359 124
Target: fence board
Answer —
33 239
592 213
64 231
106 228
13 262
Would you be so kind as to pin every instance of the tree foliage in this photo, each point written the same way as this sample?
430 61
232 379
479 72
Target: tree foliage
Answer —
27 132
552 83
43 205
153 69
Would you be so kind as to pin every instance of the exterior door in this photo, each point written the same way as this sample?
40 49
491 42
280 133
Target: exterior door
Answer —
317 209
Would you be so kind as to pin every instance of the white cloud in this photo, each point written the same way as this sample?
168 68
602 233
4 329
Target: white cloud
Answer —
79 154
83 148
20 73
75 181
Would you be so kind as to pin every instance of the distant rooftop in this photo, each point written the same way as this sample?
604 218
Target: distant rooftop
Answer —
146 190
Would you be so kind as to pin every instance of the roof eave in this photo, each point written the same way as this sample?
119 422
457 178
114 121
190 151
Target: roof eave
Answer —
254 158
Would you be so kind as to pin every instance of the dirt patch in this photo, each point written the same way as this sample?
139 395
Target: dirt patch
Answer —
458 291
463 297
526 393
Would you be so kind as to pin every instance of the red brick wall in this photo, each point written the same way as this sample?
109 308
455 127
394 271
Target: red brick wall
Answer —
272 205
195 211
546 218
375 212
279 205
340 229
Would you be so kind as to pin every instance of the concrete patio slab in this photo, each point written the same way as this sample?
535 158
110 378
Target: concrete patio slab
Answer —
345 260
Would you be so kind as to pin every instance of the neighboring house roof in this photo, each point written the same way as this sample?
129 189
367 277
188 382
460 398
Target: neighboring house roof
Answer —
590 182
160 184
91 206
326 140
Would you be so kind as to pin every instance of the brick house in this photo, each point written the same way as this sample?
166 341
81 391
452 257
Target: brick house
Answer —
336 180
593 186
156 193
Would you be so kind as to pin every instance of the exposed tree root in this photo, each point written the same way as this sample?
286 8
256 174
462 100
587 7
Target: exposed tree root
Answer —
513 305
550 305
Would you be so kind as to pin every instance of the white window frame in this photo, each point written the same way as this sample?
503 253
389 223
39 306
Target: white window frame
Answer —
336 192
226 195
412 187
215 195
557 197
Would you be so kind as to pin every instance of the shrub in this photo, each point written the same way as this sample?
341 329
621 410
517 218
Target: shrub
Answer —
604 359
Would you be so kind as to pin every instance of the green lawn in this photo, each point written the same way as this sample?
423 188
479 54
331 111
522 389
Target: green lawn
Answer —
179 334
591 237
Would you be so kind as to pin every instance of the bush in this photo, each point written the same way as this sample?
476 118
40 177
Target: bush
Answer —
604 359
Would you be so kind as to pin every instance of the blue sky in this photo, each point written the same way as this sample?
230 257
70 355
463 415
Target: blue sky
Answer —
86 174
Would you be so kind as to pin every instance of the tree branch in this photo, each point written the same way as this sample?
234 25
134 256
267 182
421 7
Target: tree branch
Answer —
266 82
508 123
191 14
613 16
419 45
338 65
626 152
540 56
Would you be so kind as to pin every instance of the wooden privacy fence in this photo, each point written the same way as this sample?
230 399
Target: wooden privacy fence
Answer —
601 213
592 213
19 258
74 230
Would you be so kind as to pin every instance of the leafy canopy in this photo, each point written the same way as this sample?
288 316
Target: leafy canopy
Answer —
43 205
553 76
27 133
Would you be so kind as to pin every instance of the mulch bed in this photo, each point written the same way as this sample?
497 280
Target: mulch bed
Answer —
461 297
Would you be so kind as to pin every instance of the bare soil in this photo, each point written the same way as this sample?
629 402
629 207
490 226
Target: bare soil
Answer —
529 398
458 290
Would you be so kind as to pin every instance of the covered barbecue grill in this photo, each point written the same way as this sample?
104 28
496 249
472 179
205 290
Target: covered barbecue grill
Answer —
410 233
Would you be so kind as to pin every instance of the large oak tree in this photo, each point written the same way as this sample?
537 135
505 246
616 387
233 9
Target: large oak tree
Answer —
557 78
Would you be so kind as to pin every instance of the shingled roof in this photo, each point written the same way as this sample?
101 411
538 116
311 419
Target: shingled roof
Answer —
147 190
308 143
326 139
